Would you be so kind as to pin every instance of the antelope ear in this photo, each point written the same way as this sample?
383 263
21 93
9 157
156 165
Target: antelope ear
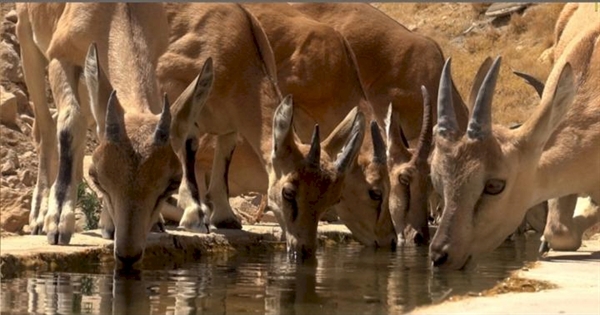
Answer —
189 104
397 148
283 133
554 105
98 87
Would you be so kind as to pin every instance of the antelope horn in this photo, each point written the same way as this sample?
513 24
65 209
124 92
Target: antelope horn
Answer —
480 124
314 154
352 146
379 154
115 125
447 124
535 83
425 138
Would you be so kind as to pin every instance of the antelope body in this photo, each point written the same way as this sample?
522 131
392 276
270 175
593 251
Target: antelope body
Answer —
490 176
242 103
112 50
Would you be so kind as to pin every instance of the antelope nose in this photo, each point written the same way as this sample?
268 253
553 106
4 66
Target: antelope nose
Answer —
439 257
129 261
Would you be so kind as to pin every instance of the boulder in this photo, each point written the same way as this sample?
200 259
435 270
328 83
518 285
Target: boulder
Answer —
10 63
12 16
8 108
14 208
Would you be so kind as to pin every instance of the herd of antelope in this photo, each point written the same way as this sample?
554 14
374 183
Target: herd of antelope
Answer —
326 105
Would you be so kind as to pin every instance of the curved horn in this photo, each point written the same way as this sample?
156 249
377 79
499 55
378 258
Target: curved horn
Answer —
480 124
379 154
314 154
483 69
535 83
115 125
447 124
397 146
352 146
163 128
425 138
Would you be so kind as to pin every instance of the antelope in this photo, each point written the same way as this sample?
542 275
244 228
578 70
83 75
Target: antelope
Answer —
112 50
398 49
245 100
563 231
393 63
491 175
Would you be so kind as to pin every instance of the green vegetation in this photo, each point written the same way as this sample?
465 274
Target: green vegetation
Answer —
90 204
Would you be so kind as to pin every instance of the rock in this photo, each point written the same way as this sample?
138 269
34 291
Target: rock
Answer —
12 16
27 178
24 107
10 63
27 119
11 163
498 9
11 156
13 181
8 108
8 169
80 220
27 155
547 56
15 212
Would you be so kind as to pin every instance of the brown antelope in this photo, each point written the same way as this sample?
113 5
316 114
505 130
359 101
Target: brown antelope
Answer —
243 102
398 50
563 231
491 175
112 47
394 62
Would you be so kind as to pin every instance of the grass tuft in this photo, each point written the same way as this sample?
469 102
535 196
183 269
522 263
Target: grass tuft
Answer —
90 204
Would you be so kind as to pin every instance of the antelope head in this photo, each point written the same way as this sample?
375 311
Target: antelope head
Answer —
487 177
135 165
409 177
304 180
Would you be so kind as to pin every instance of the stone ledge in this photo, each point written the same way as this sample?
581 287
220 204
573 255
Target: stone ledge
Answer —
89 251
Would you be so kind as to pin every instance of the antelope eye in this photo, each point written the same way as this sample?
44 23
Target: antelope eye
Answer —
375 194
494 186
289 192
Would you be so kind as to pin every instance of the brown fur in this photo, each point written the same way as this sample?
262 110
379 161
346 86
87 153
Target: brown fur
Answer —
554 153
128 39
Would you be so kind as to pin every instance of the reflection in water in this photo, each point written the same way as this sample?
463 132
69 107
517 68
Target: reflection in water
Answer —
342 280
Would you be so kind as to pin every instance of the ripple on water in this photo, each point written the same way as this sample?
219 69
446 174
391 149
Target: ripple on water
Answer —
346 279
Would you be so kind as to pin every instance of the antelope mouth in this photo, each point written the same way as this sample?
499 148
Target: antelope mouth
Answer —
468 264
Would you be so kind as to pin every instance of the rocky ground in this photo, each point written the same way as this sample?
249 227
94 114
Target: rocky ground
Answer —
18 165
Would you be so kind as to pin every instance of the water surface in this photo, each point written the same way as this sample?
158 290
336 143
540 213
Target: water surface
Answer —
345 279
